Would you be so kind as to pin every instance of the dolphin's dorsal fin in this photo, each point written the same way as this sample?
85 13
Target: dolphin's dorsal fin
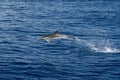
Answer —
55 32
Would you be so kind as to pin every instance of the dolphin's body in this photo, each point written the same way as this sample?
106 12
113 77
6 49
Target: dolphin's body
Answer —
56 35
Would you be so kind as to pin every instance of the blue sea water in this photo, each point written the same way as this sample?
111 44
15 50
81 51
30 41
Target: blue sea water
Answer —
93 55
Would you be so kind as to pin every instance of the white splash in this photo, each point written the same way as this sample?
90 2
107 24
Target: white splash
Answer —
106 50
98 48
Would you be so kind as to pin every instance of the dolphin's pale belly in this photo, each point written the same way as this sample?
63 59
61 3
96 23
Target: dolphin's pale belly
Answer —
60 37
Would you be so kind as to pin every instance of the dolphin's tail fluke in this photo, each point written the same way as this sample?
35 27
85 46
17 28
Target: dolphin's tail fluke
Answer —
72 37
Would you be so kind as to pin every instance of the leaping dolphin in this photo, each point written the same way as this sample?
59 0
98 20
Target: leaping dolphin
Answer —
56 35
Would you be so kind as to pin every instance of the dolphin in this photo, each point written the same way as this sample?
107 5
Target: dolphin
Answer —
55 35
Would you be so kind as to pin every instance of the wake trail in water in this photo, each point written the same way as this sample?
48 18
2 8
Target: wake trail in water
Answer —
98 48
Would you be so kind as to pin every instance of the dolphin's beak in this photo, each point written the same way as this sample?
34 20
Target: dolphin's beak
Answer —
40 38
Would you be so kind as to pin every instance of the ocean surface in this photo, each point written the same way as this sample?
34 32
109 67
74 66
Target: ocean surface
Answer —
93 55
